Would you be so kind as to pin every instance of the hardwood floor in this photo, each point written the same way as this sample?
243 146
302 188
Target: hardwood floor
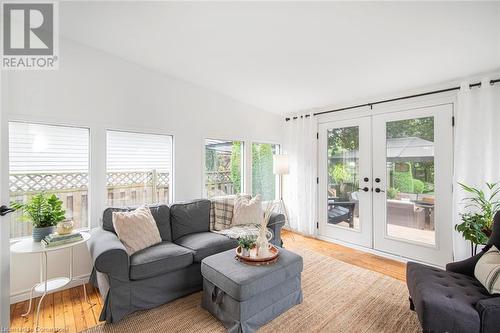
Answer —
362 259
67 310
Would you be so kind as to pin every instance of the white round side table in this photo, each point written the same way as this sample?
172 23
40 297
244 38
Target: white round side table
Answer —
28 246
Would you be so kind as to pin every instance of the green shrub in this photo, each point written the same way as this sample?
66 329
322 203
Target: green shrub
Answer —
403 181
418 186
236 166
263 179
339 173
392 192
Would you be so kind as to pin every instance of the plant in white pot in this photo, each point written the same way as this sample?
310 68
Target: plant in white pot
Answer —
44 211
246 243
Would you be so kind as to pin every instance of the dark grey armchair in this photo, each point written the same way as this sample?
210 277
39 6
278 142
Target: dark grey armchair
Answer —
453 300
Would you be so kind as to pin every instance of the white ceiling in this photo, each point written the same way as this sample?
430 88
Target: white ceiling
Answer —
292 56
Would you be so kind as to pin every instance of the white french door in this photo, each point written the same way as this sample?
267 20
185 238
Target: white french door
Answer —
413 160
385 182
345 181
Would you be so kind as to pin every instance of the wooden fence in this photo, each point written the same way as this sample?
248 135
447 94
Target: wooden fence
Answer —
124 189
218 183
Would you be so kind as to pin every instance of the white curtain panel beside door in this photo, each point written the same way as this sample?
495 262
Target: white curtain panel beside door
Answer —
300 188
477 146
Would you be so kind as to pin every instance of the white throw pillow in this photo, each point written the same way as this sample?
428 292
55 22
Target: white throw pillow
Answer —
247 211
136 229
487 270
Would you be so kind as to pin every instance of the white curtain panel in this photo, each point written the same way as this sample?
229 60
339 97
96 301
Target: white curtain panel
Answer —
300 184
477 146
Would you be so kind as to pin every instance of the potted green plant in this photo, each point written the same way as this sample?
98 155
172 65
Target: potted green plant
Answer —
246 243
44 211
477 222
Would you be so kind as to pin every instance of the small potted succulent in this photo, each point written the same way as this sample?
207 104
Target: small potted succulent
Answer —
44 211
246 243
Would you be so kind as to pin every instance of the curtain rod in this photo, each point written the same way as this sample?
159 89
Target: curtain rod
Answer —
477 84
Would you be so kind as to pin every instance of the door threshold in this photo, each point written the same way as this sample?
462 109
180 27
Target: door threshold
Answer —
373 251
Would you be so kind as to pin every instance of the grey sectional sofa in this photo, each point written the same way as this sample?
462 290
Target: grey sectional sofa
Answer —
165 271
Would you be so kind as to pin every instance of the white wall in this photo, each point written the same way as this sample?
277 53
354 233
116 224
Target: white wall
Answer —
101 91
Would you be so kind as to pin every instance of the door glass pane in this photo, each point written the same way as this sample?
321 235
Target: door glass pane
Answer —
410 179
343 170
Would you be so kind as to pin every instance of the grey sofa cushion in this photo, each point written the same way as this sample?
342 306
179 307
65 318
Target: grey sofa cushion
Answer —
190 217
161 214
242 281
205 244
159 259
445 301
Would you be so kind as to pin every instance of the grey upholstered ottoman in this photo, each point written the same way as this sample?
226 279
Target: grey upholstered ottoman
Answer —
246 297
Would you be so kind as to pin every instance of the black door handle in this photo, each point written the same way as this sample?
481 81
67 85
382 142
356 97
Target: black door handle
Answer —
379 190
366 189
4 210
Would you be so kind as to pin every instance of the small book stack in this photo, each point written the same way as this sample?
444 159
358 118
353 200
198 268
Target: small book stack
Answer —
56 240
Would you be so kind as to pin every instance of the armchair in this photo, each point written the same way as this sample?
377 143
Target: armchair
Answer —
453 300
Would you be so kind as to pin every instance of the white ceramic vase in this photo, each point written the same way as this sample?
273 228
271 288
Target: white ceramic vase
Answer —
262 242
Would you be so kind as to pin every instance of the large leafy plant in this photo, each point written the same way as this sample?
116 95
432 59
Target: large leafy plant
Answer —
42 210
477 222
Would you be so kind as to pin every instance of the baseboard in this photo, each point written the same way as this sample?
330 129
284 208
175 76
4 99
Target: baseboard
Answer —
372 251
24 295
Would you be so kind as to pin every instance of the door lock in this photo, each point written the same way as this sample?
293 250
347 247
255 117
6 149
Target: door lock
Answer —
379 190
365 189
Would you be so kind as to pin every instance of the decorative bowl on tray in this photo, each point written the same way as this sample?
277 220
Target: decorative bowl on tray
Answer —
254 258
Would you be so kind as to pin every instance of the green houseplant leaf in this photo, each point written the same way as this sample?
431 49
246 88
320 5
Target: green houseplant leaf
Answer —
42 210
482 207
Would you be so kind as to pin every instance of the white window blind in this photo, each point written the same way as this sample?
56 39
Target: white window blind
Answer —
139 168
138 151
45 148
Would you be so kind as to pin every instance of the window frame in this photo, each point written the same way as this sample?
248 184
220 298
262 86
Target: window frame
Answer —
244 167
90 189
138 131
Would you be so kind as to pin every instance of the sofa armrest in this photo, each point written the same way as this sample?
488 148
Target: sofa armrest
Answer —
108 254
489 311
466 266
275 223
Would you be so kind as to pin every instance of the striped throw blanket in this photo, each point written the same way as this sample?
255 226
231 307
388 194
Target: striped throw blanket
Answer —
221 212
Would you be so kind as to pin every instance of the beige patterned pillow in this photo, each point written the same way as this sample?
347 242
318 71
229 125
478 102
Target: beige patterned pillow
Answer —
247 211
487 270
136 229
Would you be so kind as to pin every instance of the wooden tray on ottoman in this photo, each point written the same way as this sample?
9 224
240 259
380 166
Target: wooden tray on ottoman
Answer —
256 260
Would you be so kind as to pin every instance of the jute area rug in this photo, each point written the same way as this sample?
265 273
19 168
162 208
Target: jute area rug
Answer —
338 297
